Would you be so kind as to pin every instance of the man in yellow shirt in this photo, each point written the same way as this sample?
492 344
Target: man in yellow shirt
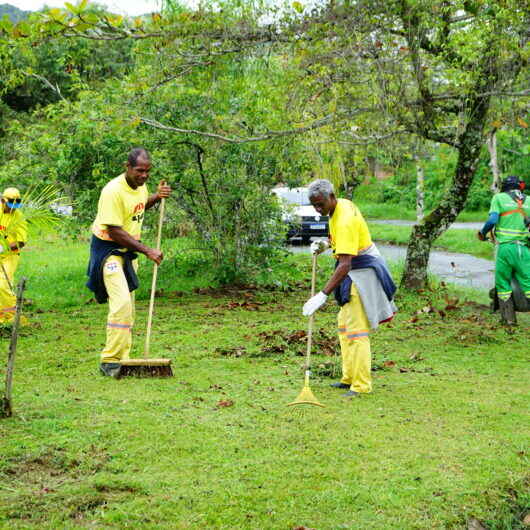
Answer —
115 241
366 298
13 236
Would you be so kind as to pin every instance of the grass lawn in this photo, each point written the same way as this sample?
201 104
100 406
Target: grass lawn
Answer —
442 439
375 210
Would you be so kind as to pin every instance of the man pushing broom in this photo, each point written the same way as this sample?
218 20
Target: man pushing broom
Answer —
113 251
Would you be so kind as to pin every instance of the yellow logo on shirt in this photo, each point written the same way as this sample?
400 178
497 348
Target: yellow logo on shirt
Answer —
138 212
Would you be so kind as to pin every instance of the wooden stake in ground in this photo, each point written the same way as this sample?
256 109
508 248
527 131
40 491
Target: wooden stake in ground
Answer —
4 272
6 408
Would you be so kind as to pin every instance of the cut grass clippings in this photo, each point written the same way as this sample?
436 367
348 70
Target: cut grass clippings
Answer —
441 440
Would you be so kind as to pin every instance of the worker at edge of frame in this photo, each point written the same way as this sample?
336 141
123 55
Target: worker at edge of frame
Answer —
13 237
114 246
361 282
509 221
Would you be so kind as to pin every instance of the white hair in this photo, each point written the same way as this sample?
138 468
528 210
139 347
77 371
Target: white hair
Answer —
320 187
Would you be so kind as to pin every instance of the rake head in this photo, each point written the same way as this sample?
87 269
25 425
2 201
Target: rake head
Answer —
306 397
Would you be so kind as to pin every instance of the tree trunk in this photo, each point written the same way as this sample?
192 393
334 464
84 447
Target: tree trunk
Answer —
468 145
420 190
491 143
438 221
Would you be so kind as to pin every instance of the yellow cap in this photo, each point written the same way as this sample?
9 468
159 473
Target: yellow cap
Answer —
11 193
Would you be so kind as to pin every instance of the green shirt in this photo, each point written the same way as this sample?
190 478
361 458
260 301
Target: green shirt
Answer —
510 226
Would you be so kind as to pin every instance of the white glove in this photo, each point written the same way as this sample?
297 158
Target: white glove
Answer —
319 246
314 303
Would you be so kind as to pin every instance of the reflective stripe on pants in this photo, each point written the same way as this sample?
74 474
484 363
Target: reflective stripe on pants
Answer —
355 344
120 318
512 259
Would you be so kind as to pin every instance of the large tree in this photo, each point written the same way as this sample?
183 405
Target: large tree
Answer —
423 68
376 70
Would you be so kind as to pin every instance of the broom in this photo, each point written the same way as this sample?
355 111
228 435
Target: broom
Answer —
306 396
149 367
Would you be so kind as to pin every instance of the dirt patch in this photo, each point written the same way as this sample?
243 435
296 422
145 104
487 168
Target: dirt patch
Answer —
39 469
238 351
53 463
54 482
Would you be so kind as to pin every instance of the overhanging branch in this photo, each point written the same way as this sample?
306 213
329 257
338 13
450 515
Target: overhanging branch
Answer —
241 140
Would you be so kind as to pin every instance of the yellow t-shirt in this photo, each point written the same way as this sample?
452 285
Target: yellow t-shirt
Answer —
120 205
13 228
348 231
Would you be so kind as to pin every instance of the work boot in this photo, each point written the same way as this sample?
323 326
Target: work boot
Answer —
110 369
339 385
507 310
494 304
351 394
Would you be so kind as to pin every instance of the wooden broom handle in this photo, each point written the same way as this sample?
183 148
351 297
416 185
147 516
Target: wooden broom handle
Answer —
153 283
311 318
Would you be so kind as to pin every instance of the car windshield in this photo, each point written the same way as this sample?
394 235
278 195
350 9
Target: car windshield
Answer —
295 196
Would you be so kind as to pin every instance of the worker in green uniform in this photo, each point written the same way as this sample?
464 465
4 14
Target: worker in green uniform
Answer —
509 217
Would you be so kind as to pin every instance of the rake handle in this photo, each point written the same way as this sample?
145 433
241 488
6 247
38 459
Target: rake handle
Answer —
311 320
153 282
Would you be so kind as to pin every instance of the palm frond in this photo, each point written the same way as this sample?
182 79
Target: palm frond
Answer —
40 208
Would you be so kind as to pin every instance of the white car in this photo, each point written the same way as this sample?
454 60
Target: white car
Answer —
303 220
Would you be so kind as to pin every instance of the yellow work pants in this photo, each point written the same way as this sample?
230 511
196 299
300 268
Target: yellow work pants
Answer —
121 311
8 299
355 344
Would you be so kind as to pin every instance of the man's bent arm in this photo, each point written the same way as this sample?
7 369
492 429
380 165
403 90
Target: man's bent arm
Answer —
493 219
152 200
340 273
120 236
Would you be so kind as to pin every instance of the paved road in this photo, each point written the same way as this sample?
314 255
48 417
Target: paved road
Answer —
462 269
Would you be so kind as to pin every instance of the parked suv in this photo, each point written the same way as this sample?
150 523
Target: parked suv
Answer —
302 219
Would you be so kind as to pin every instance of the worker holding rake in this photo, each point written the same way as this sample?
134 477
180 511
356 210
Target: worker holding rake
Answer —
13 236
113 251
362 284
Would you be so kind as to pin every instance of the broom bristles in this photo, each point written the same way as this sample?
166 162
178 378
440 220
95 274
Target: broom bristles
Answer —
306 397
145 368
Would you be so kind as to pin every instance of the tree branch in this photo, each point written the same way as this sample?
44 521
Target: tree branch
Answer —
200 152
241 140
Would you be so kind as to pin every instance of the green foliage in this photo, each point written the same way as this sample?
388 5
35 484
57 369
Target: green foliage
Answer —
222 188
400 188
217 77
39 73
